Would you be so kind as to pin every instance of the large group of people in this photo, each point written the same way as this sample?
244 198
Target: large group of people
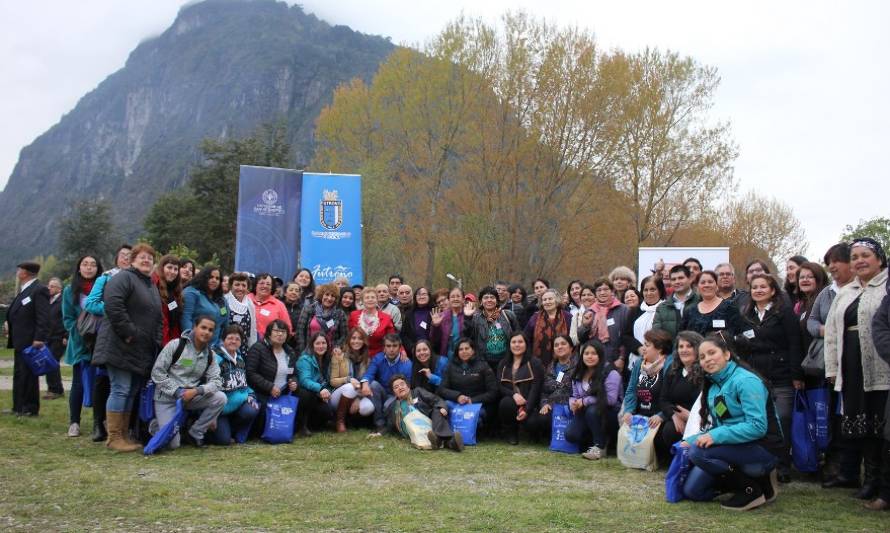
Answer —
710 361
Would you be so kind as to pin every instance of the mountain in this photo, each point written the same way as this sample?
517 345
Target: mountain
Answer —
222 68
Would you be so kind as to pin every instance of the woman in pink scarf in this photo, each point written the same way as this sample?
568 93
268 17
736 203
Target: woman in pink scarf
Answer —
606 321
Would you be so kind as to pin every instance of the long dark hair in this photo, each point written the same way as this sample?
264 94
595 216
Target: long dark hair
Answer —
418 379
310 346
821 282
792 288
361 357
170 291
718 340
77 280
347 310
202 279
695 339
597 379
309 292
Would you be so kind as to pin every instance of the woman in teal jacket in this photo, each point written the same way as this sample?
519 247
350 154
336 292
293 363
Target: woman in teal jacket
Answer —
314 390
739 427
78 352
204 297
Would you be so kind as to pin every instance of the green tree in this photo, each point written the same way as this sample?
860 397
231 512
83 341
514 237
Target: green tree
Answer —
202 215
88 228
878 228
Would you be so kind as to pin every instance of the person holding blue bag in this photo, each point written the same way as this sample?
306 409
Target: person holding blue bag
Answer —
270 366
77 353
241 407
739 437
596 386
557 386
469 379
520 377
186 369
682 385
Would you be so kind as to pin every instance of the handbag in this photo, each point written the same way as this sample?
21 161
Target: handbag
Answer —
87 327
636 444
814 362
147 401
464 419
170 430
818 401
40 361
559 422
88 378
415 426
677 473
803 438
280 415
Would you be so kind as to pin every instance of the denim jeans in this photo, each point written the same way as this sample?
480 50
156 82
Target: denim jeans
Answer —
587 426
709 463
124 387
228 425
382 398
784 401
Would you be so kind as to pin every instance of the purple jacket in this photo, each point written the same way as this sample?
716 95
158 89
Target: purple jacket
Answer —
612 386
439 334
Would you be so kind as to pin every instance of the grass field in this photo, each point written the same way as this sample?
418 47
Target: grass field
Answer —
347 482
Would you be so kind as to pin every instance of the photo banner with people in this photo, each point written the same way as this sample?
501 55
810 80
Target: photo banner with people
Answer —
332 227
709 257
267 238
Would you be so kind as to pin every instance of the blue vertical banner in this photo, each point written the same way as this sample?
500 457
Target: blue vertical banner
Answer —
331 226
267 238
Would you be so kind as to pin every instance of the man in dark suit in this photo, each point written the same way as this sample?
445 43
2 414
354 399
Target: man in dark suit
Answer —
28 321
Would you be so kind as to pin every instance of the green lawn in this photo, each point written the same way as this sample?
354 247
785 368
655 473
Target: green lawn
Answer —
347 482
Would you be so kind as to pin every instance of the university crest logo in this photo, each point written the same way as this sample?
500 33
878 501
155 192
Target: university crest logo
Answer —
331 210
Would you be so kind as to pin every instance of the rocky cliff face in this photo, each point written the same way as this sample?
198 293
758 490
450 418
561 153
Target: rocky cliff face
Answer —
221 69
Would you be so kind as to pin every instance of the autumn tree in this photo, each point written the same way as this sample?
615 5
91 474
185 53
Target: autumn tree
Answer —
88 228
673 163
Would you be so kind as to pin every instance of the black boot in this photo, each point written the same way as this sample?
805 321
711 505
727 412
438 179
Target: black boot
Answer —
748 494
510 433
99 433
770 485
870 483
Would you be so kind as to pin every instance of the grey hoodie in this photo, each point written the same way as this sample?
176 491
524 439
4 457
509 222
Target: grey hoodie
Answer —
188 372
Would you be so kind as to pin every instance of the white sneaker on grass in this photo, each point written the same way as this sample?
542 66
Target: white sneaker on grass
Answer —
594 453
74 430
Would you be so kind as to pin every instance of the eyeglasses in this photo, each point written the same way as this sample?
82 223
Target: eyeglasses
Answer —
279 332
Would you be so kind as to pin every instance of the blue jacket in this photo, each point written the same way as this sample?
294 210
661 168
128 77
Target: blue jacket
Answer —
195 303
745 397
309 375
381 370
94 304
436 374
76 351
630 395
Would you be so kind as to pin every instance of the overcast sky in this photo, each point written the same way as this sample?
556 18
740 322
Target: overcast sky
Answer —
805 84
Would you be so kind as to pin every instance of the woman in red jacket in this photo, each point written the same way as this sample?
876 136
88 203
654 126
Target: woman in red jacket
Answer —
374 322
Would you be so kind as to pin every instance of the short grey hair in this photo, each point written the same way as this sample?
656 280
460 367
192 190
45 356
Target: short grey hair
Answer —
721 265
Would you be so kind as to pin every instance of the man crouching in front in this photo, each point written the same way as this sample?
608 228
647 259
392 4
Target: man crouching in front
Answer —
187 369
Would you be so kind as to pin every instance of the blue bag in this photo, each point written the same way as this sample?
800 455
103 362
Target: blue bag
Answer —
818 403
87 380
147 401
464 419
41 362
280 415
560 418
803 440
677 473
170 430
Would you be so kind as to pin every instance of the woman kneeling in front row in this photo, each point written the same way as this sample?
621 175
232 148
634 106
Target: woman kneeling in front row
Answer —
739 427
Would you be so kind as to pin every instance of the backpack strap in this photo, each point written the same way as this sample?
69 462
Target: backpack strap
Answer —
180 347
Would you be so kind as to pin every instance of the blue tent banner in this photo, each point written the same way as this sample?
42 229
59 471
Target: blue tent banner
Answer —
267 238
331 226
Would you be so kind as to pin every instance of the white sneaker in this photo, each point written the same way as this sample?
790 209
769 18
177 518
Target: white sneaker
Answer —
594 453
74 430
